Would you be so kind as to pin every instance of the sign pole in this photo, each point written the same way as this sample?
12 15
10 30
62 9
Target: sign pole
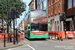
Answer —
14 30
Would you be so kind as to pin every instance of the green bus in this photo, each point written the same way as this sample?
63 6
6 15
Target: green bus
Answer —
36 24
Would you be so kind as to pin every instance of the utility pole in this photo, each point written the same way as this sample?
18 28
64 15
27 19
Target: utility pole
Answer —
13 14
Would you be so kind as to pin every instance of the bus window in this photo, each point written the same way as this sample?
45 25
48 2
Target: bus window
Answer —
40 13
43 27
39 27
34 27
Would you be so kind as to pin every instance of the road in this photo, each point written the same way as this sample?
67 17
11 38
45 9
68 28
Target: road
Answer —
45 45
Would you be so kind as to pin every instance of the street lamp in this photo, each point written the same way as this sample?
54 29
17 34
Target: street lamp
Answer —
63 18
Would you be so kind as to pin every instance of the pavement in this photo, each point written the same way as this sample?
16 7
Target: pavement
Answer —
10 45
41 44
71 41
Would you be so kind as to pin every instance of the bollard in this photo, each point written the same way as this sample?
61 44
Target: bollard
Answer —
17 39
49 37
16 36
55 35
10 38
4 40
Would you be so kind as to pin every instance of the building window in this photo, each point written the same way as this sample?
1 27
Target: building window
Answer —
51 2
74 3
69 4
42 6
48 2
55 0
59 7
51 11
55 9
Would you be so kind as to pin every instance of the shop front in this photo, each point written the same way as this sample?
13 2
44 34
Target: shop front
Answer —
70 24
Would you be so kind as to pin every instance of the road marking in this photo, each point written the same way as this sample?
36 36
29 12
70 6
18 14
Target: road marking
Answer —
8 49
30 47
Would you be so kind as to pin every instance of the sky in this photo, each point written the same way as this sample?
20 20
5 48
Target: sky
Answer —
23 14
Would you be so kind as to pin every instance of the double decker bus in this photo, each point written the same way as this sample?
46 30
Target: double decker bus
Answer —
36 24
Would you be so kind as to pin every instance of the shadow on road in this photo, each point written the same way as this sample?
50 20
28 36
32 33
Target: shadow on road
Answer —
37 39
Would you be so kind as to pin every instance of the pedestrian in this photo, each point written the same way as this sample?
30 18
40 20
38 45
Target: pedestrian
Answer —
0 31
2 28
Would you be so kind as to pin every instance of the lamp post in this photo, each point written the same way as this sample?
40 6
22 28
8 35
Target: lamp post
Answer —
63 18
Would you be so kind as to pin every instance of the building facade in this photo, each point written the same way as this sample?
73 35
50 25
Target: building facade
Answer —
69 8
22 25
55 8
32 4
41 4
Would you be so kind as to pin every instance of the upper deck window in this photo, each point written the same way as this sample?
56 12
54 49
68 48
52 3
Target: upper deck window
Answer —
38 13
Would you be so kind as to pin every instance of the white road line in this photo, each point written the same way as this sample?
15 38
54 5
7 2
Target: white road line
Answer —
8 49
30 47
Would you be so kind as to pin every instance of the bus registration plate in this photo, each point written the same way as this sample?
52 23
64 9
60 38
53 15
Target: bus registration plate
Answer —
39 37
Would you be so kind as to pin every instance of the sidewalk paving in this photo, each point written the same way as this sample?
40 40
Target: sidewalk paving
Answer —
72 41
10 45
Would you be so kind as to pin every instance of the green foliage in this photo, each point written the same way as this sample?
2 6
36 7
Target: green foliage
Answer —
55 14
59 12
6 4
5 7
51 15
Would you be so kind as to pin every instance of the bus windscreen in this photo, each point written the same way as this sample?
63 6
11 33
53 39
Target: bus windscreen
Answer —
39 27
38 13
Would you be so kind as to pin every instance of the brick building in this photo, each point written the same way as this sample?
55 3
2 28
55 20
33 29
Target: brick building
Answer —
55 8
69 8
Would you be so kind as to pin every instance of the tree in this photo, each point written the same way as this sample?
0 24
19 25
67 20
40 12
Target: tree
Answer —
5 7
6 4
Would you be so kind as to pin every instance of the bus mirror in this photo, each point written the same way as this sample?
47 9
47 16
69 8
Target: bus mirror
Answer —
49 24
28 25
